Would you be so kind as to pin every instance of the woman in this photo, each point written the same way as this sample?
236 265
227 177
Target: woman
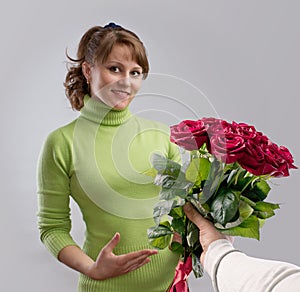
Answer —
99 160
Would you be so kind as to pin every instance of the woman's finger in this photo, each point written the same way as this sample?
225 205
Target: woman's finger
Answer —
109 247
138 265
137 254
135 257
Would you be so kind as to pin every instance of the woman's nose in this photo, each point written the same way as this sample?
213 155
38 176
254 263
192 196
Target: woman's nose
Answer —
125 80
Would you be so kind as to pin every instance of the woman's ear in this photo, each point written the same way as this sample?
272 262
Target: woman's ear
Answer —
86 70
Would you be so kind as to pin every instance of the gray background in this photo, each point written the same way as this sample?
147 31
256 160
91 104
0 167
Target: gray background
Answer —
243 55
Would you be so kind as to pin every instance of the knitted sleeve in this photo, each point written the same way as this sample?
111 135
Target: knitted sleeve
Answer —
53 193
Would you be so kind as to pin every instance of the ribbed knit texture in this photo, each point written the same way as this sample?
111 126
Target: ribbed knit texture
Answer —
99 159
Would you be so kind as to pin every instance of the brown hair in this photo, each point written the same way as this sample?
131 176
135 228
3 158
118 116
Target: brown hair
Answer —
95 46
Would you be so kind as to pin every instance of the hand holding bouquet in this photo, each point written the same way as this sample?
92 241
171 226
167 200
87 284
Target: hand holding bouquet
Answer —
226 179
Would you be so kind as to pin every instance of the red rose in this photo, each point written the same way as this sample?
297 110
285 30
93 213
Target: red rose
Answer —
253 159
234 142
211 121
262 139
287 156
216 126
246 131
279 160
227 146
190 135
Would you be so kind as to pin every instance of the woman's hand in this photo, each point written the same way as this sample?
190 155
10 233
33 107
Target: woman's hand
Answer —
109 265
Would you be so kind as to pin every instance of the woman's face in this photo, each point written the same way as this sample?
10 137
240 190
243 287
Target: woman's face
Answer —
117 80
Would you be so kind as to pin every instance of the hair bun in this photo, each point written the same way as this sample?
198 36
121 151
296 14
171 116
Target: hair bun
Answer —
112 25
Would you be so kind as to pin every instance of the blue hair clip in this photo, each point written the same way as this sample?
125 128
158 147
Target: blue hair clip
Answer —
112 25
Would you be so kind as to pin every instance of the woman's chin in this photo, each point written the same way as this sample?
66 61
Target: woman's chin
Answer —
121 105
114 104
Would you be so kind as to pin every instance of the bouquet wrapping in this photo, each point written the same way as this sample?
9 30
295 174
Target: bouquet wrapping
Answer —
226 180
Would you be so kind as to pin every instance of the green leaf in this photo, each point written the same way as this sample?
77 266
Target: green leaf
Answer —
213 181
160 236
174 187
192 171
181 182
166 224
192 236
162 208
159 162
204 168
258 192
177 248
262 186
245 211
160 242
265 210
158 231
216 174
232 176
225 206
170 194
266 206
198 170
164 180
197 267
203 150
151 172
164 228
242 180
208 191
177 212
164 165
248 228
178 225
248 201
261 222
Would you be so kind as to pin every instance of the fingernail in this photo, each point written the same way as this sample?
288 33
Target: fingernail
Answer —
188 206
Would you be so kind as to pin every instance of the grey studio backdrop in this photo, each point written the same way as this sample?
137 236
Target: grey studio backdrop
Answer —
235 59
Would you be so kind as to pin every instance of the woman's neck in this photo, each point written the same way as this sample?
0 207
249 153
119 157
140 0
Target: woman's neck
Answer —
98 112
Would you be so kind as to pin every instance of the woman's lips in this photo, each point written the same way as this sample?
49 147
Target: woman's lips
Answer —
121 93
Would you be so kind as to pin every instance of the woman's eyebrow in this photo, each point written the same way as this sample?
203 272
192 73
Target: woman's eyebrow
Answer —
121 64
137 68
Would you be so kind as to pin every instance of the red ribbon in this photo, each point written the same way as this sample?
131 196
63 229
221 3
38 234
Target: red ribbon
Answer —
180 279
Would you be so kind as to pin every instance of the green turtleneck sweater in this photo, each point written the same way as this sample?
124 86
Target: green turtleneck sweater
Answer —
99 160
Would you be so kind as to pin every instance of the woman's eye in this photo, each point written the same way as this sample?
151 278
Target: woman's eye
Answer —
136 73
114 69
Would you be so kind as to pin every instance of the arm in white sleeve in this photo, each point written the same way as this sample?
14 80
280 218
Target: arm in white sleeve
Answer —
233 271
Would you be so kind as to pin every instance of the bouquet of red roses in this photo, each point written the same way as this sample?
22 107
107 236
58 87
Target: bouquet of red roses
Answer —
225 178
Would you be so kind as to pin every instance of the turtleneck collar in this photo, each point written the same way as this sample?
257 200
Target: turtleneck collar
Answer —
98 112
